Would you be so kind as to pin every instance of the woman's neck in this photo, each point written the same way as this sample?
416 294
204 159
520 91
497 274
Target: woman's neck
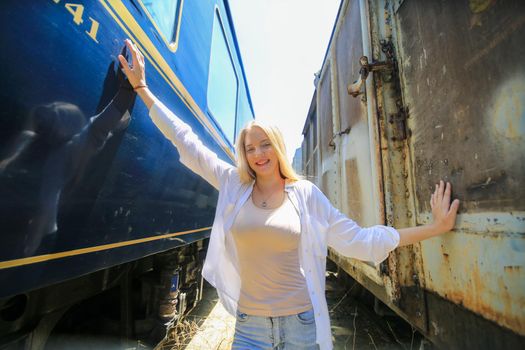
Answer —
267 183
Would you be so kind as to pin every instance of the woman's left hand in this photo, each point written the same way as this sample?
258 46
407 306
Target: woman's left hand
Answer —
443 213
137 72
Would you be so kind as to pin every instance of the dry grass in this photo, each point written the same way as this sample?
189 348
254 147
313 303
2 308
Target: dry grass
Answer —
179 335
201 329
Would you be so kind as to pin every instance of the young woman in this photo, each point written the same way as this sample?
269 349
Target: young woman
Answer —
268 245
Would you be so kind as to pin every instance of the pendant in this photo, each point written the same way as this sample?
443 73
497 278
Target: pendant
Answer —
263 204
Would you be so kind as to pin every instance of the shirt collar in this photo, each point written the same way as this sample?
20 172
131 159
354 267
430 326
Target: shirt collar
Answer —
288 185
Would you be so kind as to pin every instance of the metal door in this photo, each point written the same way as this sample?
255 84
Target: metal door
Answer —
463 83
353 164
440 94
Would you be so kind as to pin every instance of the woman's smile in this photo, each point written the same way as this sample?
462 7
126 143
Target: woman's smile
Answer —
262 162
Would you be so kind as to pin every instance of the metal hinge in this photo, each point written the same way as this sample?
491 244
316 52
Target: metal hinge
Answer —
354 89
399 120
342 132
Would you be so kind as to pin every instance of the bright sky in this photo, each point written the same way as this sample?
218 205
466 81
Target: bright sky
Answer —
283 43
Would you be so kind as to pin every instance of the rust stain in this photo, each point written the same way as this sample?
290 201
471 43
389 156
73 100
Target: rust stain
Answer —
512 269
471 297
354 189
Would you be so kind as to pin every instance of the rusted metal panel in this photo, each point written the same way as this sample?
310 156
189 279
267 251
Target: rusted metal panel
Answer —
355 149
452 107
482 272
464 77
454 327
465 86
405 279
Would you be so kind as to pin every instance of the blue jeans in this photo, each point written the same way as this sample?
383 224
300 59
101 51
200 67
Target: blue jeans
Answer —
291 332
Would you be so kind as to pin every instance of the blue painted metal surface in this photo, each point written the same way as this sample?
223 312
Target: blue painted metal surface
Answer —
132 188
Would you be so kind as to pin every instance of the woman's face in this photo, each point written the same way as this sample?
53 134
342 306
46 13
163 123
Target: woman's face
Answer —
260 153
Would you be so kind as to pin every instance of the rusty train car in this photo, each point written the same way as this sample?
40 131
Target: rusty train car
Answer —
411 92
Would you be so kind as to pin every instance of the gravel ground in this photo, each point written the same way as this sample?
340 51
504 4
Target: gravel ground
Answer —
354 323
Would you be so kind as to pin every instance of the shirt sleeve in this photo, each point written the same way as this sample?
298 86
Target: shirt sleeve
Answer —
349 239
193 153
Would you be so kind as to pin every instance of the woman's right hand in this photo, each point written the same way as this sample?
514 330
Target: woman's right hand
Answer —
137 72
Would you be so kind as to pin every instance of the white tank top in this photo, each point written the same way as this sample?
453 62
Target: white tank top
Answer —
267 242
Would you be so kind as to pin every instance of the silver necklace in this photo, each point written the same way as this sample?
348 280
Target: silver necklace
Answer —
264 204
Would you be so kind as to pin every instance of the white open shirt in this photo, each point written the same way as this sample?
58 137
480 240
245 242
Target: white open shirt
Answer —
322 224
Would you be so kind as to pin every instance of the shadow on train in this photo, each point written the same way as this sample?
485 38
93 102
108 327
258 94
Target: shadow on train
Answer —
48 159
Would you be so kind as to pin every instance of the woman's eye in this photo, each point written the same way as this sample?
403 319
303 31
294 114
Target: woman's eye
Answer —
250 150
267 145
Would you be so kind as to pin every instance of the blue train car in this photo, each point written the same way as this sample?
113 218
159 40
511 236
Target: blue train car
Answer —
88 203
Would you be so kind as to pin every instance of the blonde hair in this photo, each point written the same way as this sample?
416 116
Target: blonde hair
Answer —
276 139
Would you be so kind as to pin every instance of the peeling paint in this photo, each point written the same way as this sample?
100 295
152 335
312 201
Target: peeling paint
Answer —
467 126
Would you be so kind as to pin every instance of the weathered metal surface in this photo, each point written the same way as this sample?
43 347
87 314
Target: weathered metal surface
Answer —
355 146
347 49
482 270
327 143
451 326
455 110
325 114
353 191
465 86
405 277
454 327
464 77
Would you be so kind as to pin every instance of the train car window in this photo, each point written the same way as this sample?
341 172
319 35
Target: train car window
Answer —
223 83
165 16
